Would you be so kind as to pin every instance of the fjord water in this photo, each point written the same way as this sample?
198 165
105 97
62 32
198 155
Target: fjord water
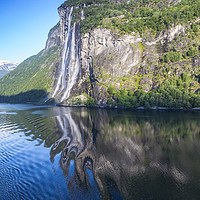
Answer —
79 153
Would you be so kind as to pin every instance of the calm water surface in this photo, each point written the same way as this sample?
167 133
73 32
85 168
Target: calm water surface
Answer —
79 153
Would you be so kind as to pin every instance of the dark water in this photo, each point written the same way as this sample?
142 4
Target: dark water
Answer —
78 153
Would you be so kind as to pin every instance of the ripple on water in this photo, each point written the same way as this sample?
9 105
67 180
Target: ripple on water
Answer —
9 177
24 168
24 171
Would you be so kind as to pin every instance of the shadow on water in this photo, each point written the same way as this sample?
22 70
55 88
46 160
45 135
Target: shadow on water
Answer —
25 97
130 155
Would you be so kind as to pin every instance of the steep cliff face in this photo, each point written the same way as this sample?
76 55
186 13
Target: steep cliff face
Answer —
69 69
114 54
122 55
58 33
53 37
104 56
108 57
64 13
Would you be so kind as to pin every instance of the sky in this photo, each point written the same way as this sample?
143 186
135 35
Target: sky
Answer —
24 27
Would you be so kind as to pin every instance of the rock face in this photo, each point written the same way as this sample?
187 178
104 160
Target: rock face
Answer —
53 37
121 55
116 55
64 12
6 66
96 60
58 33
106 55
168 35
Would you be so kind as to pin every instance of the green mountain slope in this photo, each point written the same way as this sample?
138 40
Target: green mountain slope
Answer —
36 73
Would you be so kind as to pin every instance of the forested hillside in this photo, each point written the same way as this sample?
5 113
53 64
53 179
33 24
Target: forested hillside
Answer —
31 80
135 15
139 53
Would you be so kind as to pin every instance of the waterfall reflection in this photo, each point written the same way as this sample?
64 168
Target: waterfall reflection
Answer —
71 136
130 155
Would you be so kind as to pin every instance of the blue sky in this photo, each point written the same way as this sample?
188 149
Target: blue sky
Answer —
24 27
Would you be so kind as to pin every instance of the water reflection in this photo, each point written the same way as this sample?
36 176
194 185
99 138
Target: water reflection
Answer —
98 154
124 155
70 135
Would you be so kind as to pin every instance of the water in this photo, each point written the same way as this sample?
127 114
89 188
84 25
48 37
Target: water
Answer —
61 83
69 71
79 153
82 13
74 65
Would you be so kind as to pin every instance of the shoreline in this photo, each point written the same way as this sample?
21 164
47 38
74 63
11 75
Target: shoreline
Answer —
138 108
155 108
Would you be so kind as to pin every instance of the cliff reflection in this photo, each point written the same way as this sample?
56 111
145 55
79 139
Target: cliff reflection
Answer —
139 155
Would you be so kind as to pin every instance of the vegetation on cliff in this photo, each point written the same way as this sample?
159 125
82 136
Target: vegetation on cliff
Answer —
169 78
34 74
134 15
175 74
172 93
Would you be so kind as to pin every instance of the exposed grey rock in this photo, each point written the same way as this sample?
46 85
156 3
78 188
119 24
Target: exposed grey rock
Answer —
116 54
106 52
63 13
174 2
53 37
167 35
196 61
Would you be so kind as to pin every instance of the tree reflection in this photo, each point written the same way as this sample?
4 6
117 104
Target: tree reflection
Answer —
140 155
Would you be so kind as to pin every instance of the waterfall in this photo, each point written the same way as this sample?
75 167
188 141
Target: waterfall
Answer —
74 66
70 63
61 83
82 13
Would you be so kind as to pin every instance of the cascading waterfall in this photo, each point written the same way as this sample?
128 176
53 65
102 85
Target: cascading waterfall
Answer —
74 66
61 83
82 13
70 65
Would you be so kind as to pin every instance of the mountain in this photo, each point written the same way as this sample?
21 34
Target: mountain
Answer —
115 53
6 66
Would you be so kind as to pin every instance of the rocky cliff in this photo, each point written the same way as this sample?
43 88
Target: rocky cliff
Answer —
108 57
105 56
